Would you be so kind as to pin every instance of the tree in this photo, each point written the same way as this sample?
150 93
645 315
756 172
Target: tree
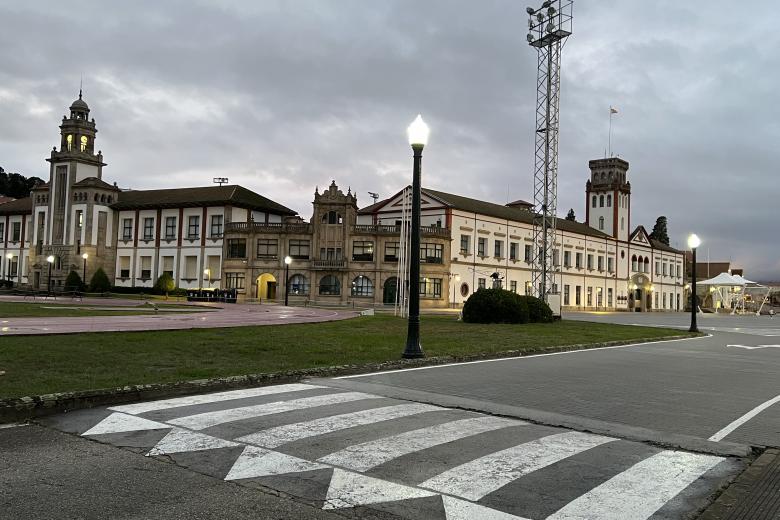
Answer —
15 185
659 231
570 215
99 282
164 284
73 282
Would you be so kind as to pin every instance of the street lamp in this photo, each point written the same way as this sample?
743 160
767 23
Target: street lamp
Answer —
84 279
9 257
457 279
693 243
49 259
418 133
207 272
287 262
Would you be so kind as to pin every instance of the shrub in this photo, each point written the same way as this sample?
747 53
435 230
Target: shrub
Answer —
73 282
495 306
99 282
164 284
538 310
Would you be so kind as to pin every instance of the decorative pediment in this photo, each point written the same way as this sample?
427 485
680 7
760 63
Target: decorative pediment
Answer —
640 236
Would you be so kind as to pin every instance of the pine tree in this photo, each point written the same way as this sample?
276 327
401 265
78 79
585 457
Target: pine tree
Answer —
73 282
99 282
570 215
164 284
660 232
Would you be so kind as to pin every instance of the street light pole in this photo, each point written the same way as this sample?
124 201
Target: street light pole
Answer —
418 137
8 257
693 243
49 259
84 280
287 262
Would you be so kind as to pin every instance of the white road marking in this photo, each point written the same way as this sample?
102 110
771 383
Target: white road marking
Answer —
754 348
120 422
641 490
457 509
745 418
180 441
274 437
206 420
520 358
479 477
13 425
190 400
256 462
362 457
349 489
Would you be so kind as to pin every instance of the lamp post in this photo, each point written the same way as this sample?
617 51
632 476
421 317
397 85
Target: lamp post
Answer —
693 243
418 133
8 257
84 279
207 272
457 279
49 259
287 262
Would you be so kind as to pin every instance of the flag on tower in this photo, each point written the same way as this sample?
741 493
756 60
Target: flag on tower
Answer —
612 110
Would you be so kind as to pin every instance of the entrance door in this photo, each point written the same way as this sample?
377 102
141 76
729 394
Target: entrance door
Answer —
390 290
638 300
271 290
37 280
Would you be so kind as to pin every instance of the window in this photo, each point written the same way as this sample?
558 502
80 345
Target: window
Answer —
193 227
362 287
234 280
566 295
465 244
84 140
127 229
148 228
216 226
590 297
622 223
236 248
79 219
633 263
330 253
299 249
578 296
331 217
480 283
601 201
601 263
190 268
610 264
578 260
430 287
299 284
481 245
658 268
124 267
513 250
656 300
647 265
513 286
16 231
2 230
599 297
556 259
267 248
601 223
431 253
13 267
609 201
528 253
167 265
170 228
498 249
213 268
664 268
330 286
609 297
594 201
528 287
363 251
391 251
590 262
146 267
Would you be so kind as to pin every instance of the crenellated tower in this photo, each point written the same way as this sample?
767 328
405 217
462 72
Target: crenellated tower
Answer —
608 197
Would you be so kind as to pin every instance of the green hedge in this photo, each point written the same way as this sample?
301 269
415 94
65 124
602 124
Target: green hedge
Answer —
538 310
501 306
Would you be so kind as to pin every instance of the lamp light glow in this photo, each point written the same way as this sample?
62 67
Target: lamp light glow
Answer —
287 260
85 256
694 241
9 256
50 259
418 132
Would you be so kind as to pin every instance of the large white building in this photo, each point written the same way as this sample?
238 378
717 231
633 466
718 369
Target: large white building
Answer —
231 237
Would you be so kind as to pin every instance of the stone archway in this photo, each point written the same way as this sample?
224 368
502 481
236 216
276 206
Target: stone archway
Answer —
640 293
266 287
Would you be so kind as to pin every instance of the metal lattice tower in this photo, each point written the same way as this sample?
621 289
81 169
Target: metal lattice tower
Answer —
548 28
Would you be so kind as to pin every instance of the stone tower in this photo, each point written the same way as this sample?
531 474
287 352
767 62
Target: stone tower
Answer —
608 197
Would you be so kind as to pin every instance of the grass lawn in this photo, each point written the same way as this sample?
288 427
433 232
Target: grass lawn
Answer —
52 308
45 364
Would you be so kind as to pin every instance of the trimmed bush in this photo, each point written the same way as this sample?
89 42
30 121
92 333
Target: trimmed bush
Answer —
73 282
538 310
99 282
164 284
495 306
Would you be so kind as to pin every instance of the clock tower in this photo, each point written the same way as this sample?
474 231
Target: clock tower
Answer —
608 197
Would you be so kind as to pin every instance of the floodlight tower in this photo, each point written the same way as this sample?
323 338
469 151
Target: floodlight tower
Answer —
548 28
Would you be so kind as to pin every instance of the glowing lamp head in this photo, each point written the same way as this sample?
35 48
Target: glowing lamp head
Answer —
9 256
694 241
418 132
50 259
85 256
457 277
287 260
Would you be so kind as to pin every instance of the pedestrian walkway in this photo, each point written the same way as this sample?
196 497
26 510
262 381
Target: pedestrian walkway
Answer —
343 450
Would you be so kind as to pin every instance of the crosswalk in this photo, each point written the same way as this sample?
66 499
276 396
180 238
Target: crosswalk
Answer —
349 450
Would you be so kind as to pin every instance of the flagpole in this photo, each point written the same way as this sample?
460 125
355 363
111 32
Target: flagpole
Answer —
610 130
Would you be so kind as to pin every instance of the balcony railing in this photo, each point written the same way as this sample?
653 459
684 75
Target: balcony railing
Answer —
434 231
262 227
329 264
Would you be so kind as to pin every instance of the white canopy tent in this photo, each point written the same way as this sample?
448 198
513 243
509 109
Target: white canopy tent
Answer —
735 291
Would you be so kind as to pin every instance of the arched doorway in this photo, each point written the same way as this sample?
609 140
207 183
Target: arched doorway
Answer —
389 291
266 286
640 294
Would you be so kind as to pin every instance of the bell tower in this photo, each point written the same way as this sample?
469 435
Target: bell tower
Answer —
608 197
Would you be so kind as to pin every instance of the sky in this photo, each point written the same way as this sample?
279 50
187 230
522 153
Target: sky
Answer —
284 96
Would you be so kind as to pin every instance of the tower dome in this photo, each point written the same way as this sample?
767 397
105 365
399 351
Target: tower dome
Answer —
79 108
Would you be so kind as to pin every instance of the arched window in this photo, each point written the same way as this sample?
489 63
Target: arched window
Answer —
96 197
601 223
330 286
299 284
609 201
362 286
601 201
622 223
634 266
103 198
69 142
84 141
594 201
109 199
647 265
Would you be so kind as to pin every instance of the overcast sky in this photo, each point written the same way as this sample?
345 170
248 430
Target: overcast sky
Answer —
282 96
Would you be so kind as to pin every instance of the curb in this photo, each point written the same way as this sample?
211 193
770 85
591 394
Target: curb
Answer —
25 408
